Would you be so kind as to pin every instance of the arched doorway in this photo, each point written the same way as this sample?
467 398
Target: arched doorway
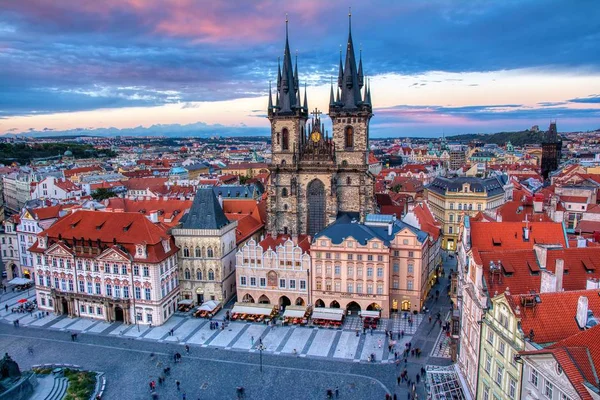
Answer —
264 300
15 271
373 307
284 301
247 299
119 314
299 301
65 306
406 305
319 303
315 200
353 307
334 304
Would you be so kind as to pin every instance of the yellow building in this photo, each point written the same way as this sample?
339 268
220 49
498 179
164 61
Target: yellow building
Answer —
499 374
451 198
247 169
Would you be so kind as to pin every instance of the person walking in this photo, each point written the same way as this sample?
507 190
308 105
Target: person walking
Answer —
177 383
6 307
398 380
418 378
337 392
187 349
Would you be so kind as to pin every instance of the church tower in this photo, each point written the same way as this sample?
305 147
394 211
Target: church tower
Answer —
288 118
350 112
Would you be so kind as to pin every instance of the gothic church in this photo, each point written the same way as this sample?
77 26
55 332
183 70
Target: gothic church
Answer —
316 178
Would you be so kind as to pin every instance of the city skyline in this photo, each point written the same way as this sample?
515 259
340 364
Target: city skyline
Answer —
130 64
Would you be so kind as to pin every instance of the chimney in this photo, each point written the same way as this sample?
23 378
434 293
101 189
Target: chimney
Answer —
220 200
390 229
537 204
541 254
582 312
559 272
526 234
498 217
153 216
581 241
592 283
548 282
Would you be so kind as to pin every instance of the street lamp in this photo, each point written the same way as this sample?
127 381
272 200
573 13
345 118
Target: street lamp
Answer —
260 348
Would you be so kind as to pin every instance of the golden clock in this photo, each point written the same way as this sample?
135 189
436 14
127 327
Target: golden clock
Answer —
315 136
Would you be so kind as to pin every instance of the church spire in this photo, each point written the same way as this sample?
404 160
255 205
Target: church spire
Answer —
341 70
331 99
350 96
360 71
288 96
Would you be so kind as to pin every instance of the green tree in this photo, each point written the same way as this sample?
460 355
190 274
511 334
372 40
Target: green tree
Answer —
102 194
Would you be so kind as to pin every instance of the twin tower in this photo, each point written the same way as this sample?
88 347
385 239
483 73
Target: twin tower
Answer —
315 178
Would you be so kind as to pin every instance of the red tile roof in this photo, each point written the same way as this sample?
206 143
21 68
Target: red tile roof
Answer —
47 212
427 221
494 236
574 199
273 242
66 185
542 318
106 185
83 170
515 211
171 209
372 158
127 230
588 226
251 216
154 184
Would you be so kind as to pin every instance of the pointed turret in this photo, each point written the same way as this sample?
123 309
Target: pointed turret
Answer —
350 96
305 99
368 98
278 72
331 98
296 81
270 98
341 70
360 72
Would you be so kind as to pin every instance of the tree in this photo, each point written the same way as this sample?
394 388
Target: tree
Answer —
103 194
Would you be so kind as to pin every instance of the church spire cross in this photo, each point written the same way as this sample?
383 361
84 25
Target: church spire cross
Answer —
316 113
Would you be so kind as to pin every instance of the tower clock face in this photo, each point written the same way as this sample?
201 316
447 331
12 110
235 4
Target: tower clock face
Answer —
315 136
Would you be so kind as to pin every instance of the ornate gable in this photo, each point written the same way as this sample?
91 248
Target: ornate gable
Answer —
59 250
113 255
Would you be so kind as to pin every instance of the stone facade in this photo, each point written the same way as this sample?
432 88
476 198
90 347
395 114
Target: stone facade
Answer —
10 249
206 258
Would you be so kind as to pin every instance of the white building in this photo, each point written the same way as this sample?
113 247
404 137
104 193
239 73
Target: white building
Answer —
55 188
91 264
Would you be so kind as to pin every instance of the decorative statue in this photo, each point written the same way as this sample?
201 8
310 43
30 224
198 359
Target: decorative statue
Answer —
333 185
294 185
9 368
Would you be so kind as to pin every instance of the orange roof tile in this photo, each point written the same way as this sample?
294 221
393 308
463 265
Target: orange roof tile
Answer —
171 209
273 242
494 236
515 211
154 184
78 171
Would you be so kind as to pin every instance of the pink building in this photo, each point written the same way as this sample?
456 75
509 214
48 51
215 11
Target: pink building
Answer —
381 264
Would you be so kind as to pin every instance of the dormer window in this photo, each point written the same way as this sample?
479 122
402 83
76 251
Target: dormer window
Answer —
42 242
140 251
167 245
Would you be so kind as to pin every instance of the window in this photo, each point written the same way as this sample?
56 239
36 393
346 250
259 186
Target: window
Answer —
263 282
379 258
452 206
243 280
338 287
411 268
499 373
548 389
501 347
284 192
350 288
350 256
328 256
123 269
379 288
486 393
138 293
186 274
108 290
136 270
349 137
396 284
359 288
282 283
210 253
488 363
359 257
512 388
328 269
411 254
41 280
186 252
396 268
146 271
370 257
126 292
369 288
149 318
98 288
198 275
198 252
82 286
211 275
337 270
490 337
350 271
451 218
147 294
302 284
292 284
562 395
369 272
285 138
82 308
380 272
117 291
252 281
99 310
409 284
479 207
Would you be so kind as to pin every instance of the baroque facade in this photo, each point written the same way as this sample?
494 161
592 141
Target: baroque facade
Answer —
315 177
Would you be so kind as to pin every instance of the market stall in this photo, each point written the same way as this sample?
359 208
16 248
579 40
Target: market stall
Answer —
297 315
21 283
253 312
208 309
328 317
370 318
446 383
185 305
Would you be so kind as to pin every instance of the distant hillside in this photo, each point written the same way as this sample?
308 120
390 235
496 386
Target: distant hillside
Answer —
516 138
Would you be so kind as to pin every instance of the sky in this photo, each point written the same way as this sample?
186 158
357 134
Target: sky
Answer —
435 66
